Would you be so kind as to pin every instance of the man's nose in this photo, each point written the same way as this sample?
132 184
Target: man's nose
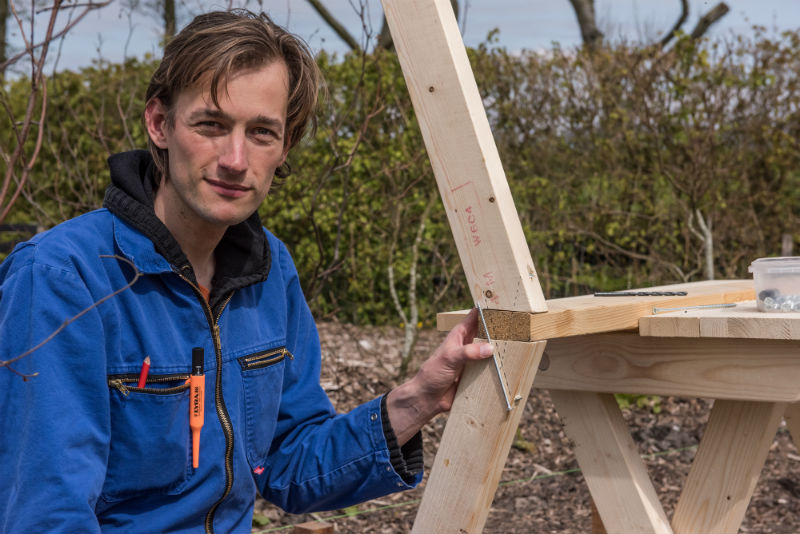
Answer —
233 156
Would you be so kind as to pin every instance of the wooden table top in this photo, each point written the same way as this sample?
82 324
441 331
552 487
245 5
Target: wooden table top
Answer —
740 321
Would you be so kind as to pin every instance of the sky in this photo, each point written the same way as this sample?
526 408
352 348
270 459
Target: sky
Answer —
115 31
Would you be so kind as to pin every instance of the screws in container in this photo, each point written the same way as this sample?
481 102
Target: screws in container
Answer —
771 300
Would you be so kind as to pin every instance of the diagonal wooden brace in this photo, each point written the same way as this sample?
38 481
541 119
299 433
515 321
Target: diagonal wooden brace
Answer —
476 442
463 155
493 252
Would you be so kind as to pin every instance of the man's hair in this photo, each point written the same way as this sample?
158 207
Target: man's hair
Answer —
223 43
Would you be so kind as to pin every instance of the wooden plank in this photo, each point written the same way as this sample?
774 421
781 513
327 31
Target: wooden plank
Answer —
746 369
743 321
610 462
471 180
727 466
588 314
313 527
476 441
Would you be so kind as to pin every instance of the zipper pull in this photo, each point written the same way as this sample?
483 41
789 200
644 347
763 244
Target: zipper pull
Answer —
120 386
287 353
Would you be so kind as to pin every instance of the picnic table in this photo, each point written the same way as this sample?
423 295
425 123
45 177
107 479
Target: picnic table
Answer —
746 360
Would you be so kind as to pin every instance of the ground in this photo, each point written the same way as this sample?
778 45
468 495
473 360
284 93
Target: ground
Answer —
542 489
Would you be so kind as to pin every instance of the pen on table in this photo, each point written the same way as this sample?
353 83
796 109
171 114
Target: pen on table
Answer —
143 372
197 384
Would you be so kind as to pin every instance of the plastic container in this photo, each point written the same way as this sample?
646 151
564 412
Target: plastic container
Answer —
777 282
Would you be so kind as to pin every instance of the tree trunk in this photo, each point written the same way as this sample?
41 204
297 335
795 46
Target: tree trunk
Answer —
3 24
169 20
584 11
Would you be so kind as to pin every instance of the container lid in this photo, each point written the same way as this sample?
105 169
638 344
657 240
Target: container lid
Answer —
780 265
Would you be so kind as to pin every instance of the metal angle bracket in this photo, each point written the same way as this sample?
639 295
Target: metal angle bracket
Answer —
496 360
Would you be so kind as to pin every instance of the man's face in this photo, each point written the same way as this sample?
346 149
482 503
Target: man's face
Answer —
221 159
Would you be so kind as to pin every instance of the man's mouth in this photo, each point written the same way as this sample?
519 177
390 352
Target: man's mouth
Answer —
227 189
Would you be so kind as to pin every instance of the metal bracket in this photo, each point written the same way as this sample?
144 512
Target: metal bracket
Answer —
496 362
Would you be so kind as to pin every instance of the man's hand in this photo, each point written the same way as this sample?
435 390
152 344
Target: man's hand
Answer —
433 389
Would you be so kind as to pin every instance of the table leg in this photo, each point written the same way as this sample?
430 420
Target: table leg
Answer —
727 466
611 463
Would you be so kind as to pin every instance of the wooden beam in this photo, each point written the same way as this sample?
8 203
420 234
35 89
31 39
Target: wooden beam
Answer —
476 441
313 527
471 180
610 463
727 466
745 369
573 316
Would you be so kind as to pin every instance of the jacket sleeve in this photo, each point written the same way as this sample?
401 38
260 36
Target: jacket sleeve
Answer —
53 426
320 460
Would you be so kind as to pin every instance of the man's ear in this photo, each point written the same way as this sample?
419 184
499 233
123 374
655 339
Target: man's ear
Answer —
155 119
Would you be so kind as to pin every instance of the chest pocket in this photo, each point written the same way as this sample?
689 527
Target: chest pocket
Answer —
262 378
151 448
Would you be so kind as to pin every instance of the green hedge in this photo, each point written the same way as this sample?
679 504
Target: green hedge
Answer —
611 158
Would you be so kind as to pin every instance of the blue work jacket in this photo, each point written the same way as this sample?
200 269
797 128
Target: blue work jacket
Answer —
83 449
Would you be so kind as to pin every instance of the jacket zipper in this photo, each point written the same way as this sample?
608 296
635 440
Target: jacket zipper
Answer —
219 401
120 383
265 359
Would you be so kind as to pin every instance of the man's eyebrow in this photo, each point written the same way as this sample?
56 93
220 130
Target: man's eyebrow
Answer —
208 113
269 121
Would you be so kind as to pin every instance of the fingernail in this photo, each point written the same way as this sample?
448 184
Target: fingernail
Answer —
486 349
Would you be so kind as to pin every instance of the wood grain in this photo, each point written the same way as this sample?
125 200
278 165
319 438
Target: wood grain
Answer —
744 322
727 466
476 441
746 369
610 462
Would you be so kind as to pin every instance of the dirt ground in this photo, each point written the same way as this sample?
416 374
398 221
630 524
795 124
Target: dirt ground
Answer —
542 489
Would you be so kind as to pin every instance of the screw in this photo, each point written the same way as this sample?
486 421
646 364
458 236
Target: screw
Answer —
431 89
491 199
489 293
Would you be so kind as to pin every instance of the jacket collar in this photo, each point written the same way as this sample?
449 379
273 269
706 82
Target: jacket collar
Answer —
242 257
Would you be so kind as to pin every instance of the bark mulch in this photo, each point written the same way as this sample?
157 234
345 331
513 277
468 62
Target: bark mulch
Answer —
542 489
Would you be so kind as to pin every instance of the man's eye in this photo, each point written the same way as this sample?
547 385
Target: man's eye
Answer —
263 132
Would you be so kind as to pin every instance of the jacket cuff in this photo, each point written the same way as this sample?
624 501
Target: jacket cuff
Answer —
407 460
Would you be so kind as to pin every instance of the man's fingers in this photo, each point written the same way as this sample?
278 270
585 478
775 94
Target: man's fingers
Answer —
467 329
477 351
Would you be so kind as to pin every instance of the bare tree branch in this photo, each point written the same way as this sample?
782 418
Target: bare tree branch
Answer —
29 48
677 26
335 25
707 20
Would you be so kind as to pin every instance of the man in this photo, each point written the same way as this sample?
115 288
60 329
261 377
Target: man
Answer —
91 444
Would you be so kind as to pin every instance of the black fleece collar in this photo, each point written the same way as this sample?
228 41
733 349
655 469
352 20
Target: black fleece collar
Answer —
242 257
